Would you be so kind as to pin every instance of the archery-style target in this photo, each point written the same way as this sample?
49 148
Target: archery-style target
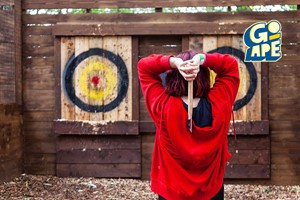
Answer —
251 71
96 81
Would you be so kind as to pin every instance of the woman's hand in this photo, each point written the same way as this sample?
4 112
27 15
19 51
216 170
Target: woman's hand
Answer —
175 62
190 68
188 72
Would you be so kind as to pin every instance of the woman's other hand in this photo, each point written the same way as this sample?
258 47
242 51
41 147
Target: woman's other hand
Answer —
189 70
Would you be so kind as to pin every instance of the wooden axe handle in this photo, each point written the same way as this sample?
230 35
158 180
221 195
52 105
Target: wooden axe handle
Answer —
190 103
190 99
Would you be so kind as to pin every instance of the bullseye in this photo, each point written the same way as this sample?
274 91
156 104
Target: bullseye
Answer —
96 91
99 82
95 80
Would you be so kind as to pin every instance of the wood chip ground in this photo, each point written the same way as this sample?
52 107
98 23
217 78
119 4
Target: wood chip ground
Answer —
29 187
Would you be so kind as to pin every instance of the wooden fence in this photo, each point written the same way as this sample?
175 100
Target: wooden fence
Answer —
11 140
266 148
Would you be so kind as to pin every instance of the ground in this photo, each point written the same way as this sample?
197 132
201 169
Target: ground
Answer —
29 187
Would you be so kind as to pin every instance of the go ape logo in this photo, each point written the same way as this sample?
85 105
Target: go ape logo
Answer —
263 41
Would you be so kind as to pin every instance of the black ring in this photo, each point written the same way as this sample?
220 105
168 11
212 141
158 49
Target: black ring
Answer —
73 62
251 70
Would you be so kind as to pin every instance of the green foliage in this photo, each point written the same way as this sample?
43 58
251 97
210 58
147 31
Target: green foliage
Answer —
270 8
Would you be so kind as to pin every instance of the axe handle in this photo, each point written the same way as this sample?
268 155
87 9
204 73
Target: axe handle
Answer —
190 103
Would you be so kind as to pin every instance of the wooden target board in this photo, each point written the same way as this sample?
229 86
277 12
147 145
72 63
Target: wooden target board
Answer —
96 78
248 101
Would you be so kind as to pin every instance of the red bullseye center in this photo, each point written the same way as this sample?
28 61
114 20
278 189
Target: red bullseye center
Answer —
95 80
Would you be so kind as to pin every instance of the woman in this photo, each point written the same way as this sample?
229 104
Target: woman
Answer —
187 165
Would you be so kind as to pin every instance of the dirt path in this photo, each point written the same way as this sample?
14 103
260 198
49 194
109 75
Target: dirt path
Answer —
29 187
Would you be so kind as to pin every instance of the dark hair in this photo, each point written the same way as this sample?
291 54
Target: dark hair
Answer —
176 85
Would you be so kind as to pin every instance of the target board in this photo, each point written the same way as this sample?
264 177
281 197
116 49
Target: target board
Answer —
96 78
247 105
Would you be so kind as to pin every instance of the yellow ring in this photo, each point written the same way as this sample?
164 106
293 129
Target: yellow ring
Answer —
108 81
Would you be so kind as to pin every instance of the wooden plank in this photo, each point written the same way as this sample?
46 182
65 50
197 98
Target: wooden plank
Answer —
147 127
58 78
41 146
7 32
33 4
38 84
285 102
111 44
210 43
10 109
135 107
99 170
196 43
251 127
7 2
254 106
11 141
38 74
7 73
37 126
284 180
290 112
248 171
38 62
249 143
286 136
37 41
39 100
67 142
81 45
124 49
292 158
168 17
18 50
283 92
165 49
62 127
98 156
67 49
237 43
185 43
284 125
250 157
39 163
36 52
36 30
150 28
96 42
291 48
224 40
11 169
40 135
147 149
154 28
264 91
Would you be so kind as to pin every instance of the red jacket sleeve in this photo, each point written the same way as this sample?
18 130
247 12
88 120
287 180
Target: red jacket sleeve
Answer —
227 80
149 70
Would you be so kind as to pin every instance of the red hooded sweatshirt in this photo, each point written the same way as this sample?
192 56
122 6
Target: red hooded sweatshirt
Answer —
187 166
